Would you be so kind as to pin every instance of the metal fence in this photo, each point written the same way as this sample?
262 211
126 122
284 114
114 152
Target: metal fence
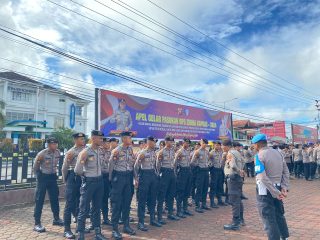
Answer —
16 170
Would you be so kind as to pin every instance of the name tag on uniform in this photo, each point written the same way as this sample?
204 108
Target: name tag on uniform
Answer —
262 190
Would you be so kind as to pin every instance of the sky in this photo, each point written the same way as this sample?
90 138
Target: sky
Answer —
257 57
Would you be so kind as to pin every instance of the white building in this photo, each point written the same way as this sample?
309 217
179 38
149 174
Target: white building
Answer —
36 109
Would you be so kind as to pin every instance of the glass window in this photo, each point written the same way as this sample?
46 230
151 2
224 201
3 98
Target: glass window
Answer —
58 122
21 96
13 116
79 110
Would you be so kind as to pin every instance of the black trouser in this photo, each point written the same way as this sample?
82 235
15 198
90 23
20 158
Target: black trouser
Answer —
167 190
271 211
72 196
91 191
147 192
290 167
250 169
106 195
121 195
183 188
307 167
46 182
298 168
313 168
193 182
131 190
202 185
216 183
235 183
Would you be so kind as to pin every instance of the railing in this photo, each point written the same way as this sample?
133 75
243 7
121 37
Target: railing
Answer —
16 170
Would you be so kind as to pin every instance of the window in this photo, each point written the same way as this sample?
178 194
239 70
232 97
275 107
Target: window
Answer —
21 96
58 122
79 110
62 100
13 116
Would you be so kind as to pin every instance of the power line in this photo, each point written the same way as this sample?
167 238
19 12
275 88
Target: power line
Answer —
226 47
157 23
257 86
117 74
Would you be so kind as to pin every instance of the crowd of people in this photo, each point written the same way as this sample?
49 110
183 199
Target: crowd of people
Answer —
102 178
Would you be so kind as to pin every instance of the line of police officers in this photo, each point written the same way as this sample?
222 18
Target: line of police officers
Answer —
104 170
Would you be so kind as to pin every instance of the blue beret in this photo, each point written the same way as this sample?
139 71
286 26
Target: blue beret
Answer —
258 138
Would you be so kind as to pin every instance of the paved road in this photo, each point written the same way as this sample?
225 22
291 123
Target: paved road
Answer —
302 211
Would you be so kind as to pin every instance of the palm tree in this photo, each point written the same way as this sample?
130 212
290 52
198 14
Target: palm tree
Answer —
2 117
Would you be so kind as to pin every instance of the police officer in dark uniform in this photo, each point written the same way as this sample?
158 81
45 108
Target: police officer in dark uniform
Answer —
234 173
183 170
194 174
45 169
73 183
88 166
272 187
147 179
167 181
105 155
120 172
200 160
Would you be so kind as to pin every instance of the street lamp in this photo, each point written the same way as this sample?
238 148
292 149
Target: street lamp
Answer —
318 109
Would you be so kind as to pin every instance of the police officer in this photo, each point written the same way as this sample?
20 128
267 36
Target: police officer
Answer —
316 155
216 176
306 162
194 174
167 184
122 117
182 168
45 169
297 160
88 166
200 160
120 171
233 170
147 179
105 157
272 187
73 183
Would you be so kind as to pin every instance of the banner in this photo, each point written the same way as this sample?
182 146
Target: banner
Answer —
302 134
143 116
277 129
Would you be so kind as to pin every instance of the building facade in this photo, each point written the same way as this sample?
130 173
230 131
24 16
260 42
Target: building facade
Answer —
34 109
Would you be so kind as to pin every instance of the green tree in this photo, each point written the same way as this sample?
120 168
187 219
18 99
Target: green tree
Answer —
2 117
64 137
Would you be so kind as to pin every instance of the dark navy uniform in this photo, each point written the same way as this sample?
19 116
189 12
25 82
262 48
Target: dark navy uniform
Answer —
45 168
272 181
120 174
167 184
145 171
89 167
183 170
200 160
72 190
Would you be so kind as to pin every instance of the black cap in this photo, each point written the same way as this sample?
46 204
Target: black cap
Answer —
106 139
217 143
113 140
97 133
227 142
142 142
205 140
151 138
186 140
237 144
52 140
197 143
126 134
122 100
162 143
169 138
78 135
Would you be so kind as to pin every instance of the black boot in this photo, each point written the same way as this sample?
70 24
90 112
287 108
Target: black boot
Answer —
187 212
171 216
57 221
81 236
198 208
243 197
68 234
154 222
220 202
160 219
226 201
115 232
106 221
142 227
205 207
39 228
99 235
179 211
127 229
232 226
213 204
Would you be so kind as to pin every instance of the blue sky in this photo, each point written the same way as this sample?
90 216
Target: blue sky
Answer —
280 36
